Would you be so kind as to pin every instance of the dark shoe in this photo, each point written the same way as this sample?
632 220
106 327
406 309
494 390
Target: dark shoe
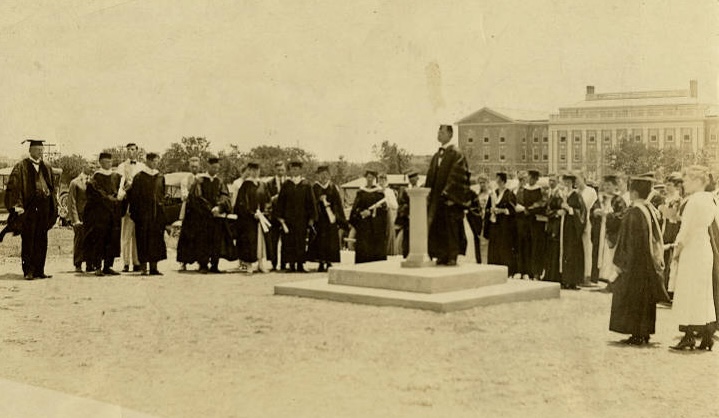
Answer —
452 262
301 268
321 268
110 272
155 273
29 276
291 269
203 270
144 272
441 262
99 273
215 269
687 342
89 268
707 339
137 268
78 268
43 276
126 269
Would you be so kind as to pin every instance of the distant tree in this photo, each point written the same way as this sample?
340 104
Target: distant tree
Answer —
71 166
119 154
344 171
267 155
176 157
395 160
231 163
634 158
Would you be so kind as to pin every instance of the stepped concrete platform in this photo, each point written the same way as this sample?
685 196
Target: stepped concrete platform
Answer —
18 400
436 279
440 289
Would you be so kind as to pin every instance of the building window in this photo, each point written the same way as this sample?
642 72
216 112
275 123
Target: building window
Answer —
545 139
670 138
501 139
524 140
576 156
545 157
563 157
591 139
470 139
577 139
607 139
486 140
501 157
486 157
653 138
563 139
536 140
687 138
535 157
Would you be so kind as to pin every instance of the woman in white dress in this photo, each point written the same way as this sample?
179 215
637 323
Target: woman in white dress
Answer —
694 305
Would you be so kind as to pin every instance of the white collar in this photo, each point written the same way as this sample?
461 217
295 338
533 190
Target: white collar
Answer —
103 171
150 171
529 187
448 145
374 188
297 180
324 186
36 162
208 176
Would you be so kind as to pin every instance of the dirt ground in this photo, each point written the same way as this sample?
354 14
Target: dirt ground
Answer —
186 345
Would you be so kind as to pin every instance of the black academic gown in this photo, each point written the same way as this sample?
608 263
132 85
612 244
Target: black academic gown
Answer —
402 219
640 284
371 231
296 205
205 238
146 199
475 219
102 219
251 197
449 197
572 245
502 234
325 247
528 239
25 189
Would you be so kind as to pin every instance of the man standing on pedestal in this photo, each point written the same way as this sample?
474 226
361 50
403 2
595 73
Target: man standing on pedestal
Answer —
128 244
449 196
76 199
30 198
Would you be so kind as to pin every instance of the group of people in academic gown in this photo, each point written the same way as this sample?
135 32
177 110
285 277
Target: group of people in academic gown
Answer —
102 214
205 236
31 200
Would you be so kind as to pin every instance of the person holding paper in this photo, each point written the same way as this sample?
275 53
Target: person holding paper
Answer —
369 219
207 234
253 227
325 248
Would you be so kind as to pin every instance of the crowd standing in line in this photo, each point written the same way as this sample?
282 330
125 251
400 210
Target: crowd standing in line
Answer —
651 243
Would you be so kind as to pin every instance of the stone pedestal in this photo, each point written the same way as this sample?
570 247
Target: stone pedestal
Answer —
417 256
416 282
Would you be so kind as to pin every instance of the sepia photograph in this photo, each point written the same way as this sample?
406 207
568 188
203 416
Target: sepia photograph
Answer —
382 208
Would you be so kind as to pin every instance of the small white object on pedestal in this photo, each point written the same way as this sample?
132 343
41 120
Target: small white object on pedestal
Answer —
417 256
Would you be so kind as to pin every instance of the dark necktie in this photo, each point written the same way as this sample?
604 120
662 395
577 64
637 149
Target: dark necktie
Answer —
441 154
133 162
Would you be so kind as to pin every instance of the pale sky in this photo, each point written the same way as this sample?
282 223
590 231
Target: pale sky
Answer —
330 76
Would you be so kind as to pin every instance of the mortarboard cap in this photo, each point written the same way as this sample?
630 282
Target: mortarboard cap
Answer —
571 177
370 172
104 155
502 176
152 156
130 145
643 185
34 142
411 174
253 166
323 168
213 160
533 173
297 164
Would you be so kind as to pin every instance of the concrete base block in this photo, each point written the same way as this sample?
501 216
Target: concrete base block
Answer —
390 275
511 291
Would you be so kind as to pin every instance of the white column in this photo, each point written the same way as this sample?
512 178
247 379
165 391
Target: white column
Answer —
418 226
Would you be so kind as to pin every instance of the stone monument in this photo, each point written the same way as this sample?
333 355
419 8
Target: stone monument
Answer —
417 282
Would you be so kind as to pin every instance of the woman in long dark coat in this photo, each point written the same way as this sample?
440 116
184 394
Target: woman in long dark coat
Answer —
252 199
325 247
369 219
567 219
500 226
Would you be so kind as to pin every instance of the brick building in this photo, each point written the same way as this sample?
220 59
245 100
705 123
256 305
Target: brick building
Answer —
505 140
